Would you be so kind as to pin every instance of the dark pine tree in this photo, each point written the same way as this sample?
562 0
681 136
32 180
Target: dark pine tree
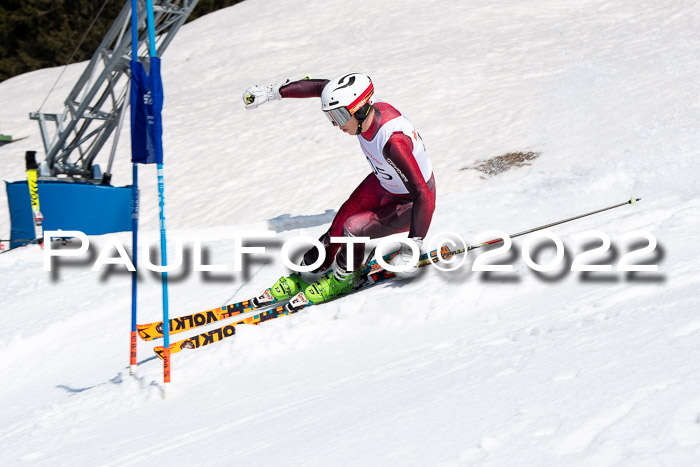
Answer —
38 34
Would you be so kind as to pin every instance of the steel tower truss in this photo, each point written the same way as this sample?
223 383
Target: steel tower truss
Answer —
96 105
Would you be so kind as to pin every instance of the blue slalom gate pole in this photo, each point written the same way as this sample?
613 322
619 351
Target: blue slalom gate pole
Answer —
133 362
163 243
151 29
164 280
147 148
134 275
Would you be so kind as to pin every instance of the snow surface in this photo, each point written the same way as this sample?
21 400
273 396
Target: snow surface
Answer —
459 368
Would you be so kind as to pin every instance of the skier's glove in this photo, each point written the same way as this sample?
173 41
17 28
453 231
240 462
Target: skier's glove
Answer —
404 258
257 95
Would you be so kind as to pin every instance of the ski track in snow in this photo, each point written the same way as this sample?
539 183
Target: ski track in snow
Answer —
459 368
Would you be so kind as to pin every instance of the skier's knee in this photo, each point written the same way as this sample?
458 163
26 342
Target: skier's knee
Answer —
355 225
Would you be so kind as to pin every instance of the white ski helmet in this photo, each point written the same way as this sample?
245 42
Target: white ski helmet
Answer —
347 95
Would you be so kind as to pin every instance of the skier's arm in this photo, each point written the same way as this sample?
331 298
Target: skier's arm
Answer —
398 151
257 95
303 88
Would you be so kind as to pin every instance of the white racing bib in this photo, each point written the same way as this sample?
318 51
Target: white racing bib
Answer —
389 175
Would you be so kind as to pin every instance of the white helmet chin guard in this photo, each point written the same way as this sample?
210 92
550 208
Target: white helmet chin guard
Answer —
347 95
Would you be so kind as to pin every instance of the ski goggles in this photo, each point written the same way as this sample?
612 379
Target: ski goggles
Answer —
339 116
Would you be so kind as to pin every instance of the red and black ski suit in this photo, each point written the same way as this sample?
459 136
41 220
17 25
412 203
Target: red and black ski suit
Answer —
398 196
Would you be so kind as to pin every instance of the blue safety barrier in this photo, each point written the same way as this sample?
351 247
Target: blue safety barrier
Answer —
91 209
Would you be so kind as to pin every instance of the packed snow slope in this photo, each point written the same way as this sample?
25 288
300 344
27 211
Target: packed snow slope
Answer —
459 368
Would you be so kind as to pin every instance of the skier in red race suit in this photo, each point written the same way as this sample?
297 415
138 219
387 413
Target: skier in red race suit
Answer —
398 196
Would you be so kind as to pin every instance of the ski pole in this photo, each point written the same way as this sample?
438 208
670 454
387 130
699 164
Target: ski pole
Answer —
498 240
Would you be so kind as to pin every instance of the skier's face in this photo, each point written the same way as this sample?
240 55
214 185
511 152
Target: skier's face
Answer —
350 126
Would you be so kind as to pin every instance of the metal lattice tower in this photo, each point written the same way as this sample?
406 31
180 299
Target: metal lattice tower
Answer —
96 105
